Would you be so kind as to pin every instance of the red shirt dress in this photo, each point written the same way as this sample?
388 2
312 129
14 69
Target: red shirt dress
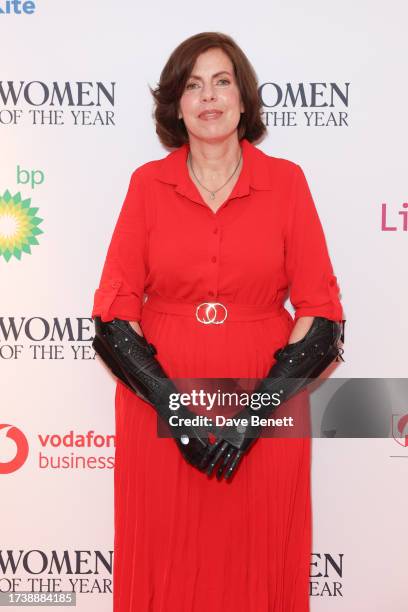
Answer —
185 542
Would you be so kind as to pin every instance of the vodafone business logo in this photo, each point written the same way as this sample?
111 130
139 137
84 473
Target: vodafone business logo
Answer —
10 434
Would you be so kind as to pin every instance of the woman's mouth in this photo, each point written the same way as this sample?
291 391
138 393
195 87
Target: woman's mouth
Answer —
210 115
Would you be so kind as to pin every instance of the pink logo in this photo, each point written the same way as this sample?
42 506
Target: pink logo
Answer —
400 429
21 443
387 217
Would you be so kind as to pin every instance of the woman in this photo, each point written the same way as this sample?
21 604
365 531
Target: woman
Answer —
215 221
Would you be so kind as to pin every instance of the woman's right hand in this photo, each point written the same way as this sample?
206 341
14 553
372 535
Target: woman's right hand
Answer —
136 327
193 444
131 358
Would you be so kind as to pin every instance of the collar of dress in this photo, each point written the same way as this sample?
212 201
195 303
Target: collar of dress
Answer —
256 172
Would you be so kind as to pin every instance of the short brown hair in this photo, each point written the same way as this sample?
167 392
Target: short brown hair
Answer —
170 129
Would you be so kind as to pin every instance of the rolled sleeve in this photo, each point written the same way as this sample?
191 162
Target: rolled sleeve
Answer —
121 287
313 287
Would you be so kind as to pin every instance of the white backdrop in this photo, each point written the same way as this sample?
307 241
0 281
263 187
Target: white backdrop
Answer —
359 492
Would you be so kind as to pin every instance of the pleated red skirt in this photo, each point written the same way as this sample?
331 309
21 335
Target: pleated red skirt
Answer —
185 542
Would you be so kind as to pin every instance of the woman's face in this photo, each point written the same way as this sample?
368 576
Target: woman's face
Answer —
211 103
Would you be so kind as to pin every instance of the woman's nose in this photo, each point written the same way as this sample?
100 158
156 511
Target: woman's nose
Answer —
208 93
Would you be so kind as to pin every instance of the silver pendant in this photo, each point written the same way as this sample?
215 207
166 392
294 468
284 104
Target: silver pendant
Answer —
212 195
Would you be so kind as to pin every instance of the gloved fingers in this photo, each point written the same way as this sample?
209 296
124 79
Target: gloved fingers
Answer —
229 455
192 451
209 452
218 454
234 465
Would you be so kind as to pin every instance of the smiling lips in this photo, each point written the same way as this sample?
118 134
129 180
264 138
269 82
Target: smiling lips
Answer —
210 114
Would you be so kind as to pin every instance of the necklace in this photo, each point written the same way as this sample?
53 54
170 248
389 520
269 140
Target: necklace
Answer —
212 192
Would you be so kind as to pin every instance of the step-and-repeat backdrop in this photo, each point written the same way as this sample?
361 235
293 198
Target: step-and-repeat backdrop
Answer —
75 121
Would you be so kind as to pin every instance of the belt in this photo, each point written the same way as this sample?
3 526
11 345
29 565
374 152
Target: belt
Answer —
214 312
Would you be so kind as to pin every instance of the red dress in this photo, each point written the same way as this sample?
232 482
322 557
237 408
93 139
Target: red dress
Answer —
185 542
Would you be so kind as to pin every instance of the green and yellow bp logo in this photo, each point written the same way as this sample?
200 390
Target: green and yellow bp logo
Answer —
18 226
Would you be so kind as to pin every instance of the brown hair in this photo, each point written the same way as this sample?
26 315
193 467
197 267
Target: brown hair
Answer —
170 129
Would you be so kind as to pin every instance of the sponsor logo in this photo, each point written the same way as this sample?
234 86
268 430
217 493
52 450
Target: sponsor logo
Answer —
18 226
51 458
394 221
55 451
17 7
13 448
29 177
400 429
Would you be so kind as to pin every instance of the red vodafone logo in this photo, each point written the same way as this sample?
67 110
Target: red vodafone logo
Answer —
7 433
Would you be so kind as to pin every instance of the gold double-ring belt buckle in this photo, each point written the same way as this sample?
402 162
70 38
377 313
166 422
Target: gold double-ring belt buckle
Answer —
211 312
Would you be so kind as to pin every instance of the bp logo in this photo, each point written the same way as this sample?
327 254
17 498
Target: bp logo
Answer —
18 226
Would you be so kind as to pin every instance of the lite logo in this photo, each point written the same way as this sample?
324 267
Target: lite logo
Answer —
388 217
13 448
17 7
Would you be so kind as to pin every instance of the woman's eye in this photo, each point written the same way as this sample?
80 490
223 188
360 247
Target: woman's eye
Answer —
192 84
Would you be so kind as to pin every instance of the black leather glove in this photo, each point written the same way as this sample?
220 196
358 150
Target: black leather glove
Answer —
131 358
295 365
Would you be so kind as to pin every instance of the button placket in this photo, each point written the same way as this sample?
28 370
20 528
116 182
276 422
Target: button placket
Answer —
214 260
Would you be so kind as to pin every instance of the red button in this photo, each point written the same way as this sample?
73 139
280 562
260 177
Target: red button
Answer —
213 259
